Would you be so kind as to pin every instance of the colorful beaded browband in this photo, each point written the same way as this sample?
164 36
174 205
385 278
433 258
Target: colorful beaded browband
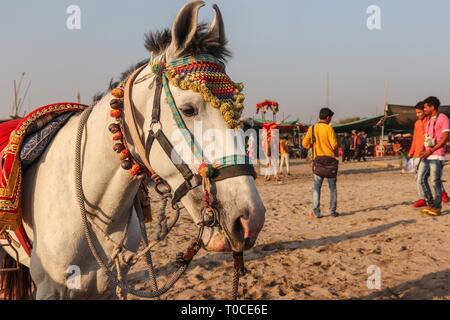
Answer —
206 75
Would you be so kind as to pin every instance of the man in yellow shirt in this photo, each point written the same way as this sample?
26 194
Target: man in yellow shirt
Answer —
325 145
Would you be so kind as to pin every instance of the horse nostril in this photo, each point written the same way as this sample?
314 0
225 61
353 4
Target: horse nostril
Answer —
245 223
238 230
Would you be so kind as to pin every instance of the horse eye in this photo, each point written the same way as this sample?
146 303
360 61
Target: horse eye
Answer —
189 111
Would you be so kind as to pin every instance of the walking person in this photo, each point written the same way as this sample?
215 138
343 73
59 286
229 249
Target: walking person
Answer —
357 142
417 148
346 145
284 155
353 145
321 138
362 146
437 130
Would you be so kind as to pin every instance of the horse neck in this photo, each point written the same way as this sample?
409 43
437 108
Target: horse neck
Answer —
109 189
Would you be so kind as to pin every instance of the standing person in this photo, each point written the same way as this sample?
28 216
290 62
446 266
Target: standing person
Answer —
325 146
362 146
357 142
251 149
284 154
417 148
437 130
346 147
353 144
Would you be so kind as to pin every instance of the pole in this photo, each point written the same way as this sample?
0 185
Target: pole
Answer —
328 89
14 108
24 97
385 112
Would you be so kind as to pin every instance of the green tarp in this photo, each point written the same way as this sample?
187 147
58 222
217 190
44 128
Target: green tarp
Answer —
403 117
368 125
398 118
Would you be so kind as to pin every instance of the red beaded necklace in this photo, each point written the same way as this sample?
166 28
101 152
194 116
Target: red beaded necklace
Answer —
117 129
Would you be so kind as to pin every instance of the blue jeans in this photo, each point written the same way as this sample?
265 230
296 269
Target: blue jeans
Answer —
431 169
317 187
417 162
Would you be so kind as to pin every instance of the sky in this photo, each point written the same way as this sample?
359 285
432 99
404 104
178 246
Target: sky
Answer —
282 50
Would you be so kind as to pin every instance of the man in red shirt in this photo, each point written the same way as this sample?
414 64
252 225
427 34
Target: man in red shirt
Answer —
417 147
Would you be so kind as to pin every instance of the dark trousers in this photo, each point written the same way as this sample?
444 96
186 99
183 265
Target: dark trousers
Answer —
346 155
360 153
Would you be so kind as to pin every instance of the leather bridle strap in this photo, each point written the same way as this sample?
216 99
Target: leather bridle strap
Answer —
130 121
177 161
222 174
156 113
191 180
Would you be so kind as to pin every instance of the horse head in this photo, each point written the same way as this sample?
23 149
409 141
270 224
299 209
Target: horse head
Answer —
187 68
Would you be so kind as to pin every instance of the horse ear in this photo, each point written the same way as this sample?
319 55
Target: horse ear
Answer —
217 28
184 29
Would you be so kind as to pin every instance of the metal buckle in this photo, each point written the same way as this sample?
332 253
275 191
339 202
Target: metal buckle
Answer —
163 188
152 126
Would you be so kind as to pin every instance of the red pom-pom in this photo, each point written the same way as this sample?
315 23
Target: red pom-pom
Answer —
118 136
125 154
206 170
135 170
116 113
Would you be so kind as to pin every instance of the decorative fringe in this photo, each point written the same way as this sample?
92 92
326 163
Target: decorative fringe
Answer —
16 285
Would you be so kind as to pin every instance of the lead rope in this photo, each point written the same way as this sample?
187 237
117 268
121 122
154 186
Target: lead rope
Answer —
210 218
239 271
118 281
148 254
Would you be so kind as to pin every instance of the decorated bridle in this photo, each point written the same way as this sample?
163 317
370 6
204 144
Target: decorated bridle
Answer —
203 74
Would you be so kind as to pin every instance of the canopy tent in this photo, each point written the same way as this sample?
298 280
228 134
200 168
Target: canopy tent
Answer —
400 117
368 125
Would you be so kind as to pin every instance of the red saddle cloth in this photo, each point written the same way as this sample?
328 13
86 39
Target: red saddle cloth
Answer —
12 136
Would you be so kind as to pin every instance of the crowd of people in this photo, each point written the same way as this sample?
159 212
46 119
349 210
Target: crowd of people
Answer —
431 134
354 146
428 150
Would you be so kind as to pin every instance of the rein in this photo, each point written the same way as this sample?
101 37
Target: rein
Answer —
222 170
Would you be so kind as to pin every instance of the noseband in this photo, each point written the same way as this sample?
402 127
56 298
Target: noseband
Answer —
226 168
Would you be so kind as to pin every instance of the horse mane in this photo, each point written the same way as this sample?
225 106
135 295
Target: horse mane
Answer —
158 41
115 82
203 43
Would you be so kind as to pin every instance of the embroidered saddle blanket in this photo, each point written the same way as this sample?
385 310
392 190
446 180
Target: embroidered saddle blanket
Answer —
22 142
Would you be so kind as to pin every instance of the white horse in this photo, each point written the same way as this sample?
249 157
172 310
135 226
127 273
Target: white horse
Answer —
52 216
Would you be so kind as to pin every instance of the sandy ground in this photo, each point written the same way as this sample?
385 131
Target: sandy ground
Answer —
299 258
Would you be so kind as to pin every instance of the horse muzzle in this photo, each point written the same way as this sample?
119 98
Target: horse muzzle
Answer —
239 236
